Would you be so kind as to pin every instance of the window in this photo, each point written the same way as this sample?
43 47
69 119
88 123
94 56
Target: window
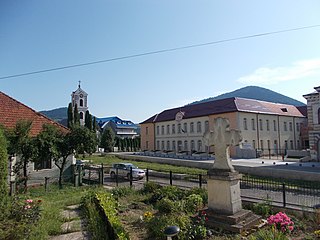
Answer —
191 127
162 145
158 130
260 124
168 129
81 102
147 130
298 144
199 127
179 146
158 145
285 126
261 144
199 146
192 145
268 127
291 144
186 145
290 126
254 144
253 124
173 145
268 144
173 129
168 145
245 124
206 126
147 145
274 125
298 127
185 127
275 144
179 128
162 130
286 144
81 115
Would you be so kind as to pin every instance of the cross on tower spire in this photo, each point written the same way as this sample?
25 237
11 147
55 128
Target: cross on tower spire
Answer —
79 84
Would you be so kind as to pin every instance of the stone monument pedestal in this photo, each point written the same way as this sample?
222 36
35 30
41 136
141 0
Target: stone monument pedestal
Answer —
224 202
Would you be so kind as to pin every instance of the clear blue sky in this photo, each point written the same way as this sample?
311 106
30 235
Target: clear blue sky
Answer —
36 35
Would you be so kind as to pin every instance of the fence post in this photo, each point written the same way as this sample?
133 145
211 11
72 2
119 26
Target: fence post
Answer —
284 194
117 171
200 180
170 177
130 176
269 153
102 174
147 175
89 175
46 183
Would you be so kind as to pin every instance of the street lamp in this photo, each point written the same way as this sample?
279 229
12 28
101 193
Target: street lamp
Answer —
171 231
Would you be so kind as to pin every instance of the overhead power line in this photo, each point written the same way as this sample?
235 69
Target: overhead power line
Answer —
159 51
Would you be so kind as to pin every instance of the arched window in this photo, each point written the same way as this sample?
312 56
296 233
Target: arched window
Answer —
81 102
81 115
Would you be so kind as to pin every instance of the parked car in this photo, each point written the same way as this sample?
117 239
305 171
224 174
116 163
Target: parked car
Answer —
124 171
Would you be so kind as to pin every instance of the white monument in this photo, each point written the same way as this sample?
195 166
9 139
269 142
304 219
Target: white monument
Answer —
224 200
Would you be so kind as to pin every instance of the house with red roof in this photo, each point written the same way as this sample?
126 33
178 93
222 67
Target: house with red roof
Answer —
265 126
12 111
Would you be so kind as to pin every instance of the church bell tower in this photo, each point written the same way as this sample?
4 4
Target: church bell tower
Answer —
80 98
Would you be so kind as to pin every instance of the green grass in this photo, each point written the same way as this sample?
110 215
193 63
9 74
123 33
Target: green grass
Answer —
53 203
109 160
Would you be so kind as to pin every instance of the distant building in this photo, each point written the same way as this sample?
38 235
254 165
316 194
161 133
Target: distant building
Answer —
313 106
80 98
264 126
121 128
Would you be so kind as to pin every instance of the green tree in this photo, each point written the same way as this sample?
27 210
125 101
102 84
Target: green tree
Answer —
83 140
23 145
70 116
107 140
54 145
88 120
76 116
94 124
3 169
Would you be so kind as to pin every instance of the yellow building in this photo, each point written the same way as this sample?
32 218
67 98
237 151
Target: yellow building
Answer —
266 126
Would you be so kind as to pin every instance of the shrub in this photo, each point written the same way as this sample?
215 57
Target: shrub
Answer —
157 224
198 230
122 191
193 203
150 187
166 205
200 191
171 192
264 208
268 234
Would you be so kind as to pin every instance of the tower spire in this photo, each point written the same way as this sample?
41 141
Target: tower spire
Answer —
79 84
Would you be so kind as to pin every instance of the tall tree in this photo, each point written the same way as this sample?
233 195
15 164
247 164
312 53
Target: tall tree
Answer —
3 169
88 120
23 145
54 145
94 124
70 116
76 116
107 140
83 140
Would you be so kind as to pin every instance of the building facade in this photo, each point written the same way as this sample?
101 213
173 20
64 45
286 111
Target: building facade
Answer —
313 110
121 128
80 98
265 126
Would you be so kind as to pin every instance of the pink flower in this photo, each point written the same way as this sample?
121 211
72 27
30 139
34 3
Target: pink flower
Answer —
27 207
29 200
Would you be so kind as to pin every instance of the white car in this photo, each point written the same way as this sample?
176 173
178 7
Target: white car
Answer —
124 171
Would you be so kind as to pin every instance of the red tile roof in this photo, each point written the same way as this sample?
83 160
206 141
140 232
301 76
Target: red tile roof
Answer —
227 105
12 111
